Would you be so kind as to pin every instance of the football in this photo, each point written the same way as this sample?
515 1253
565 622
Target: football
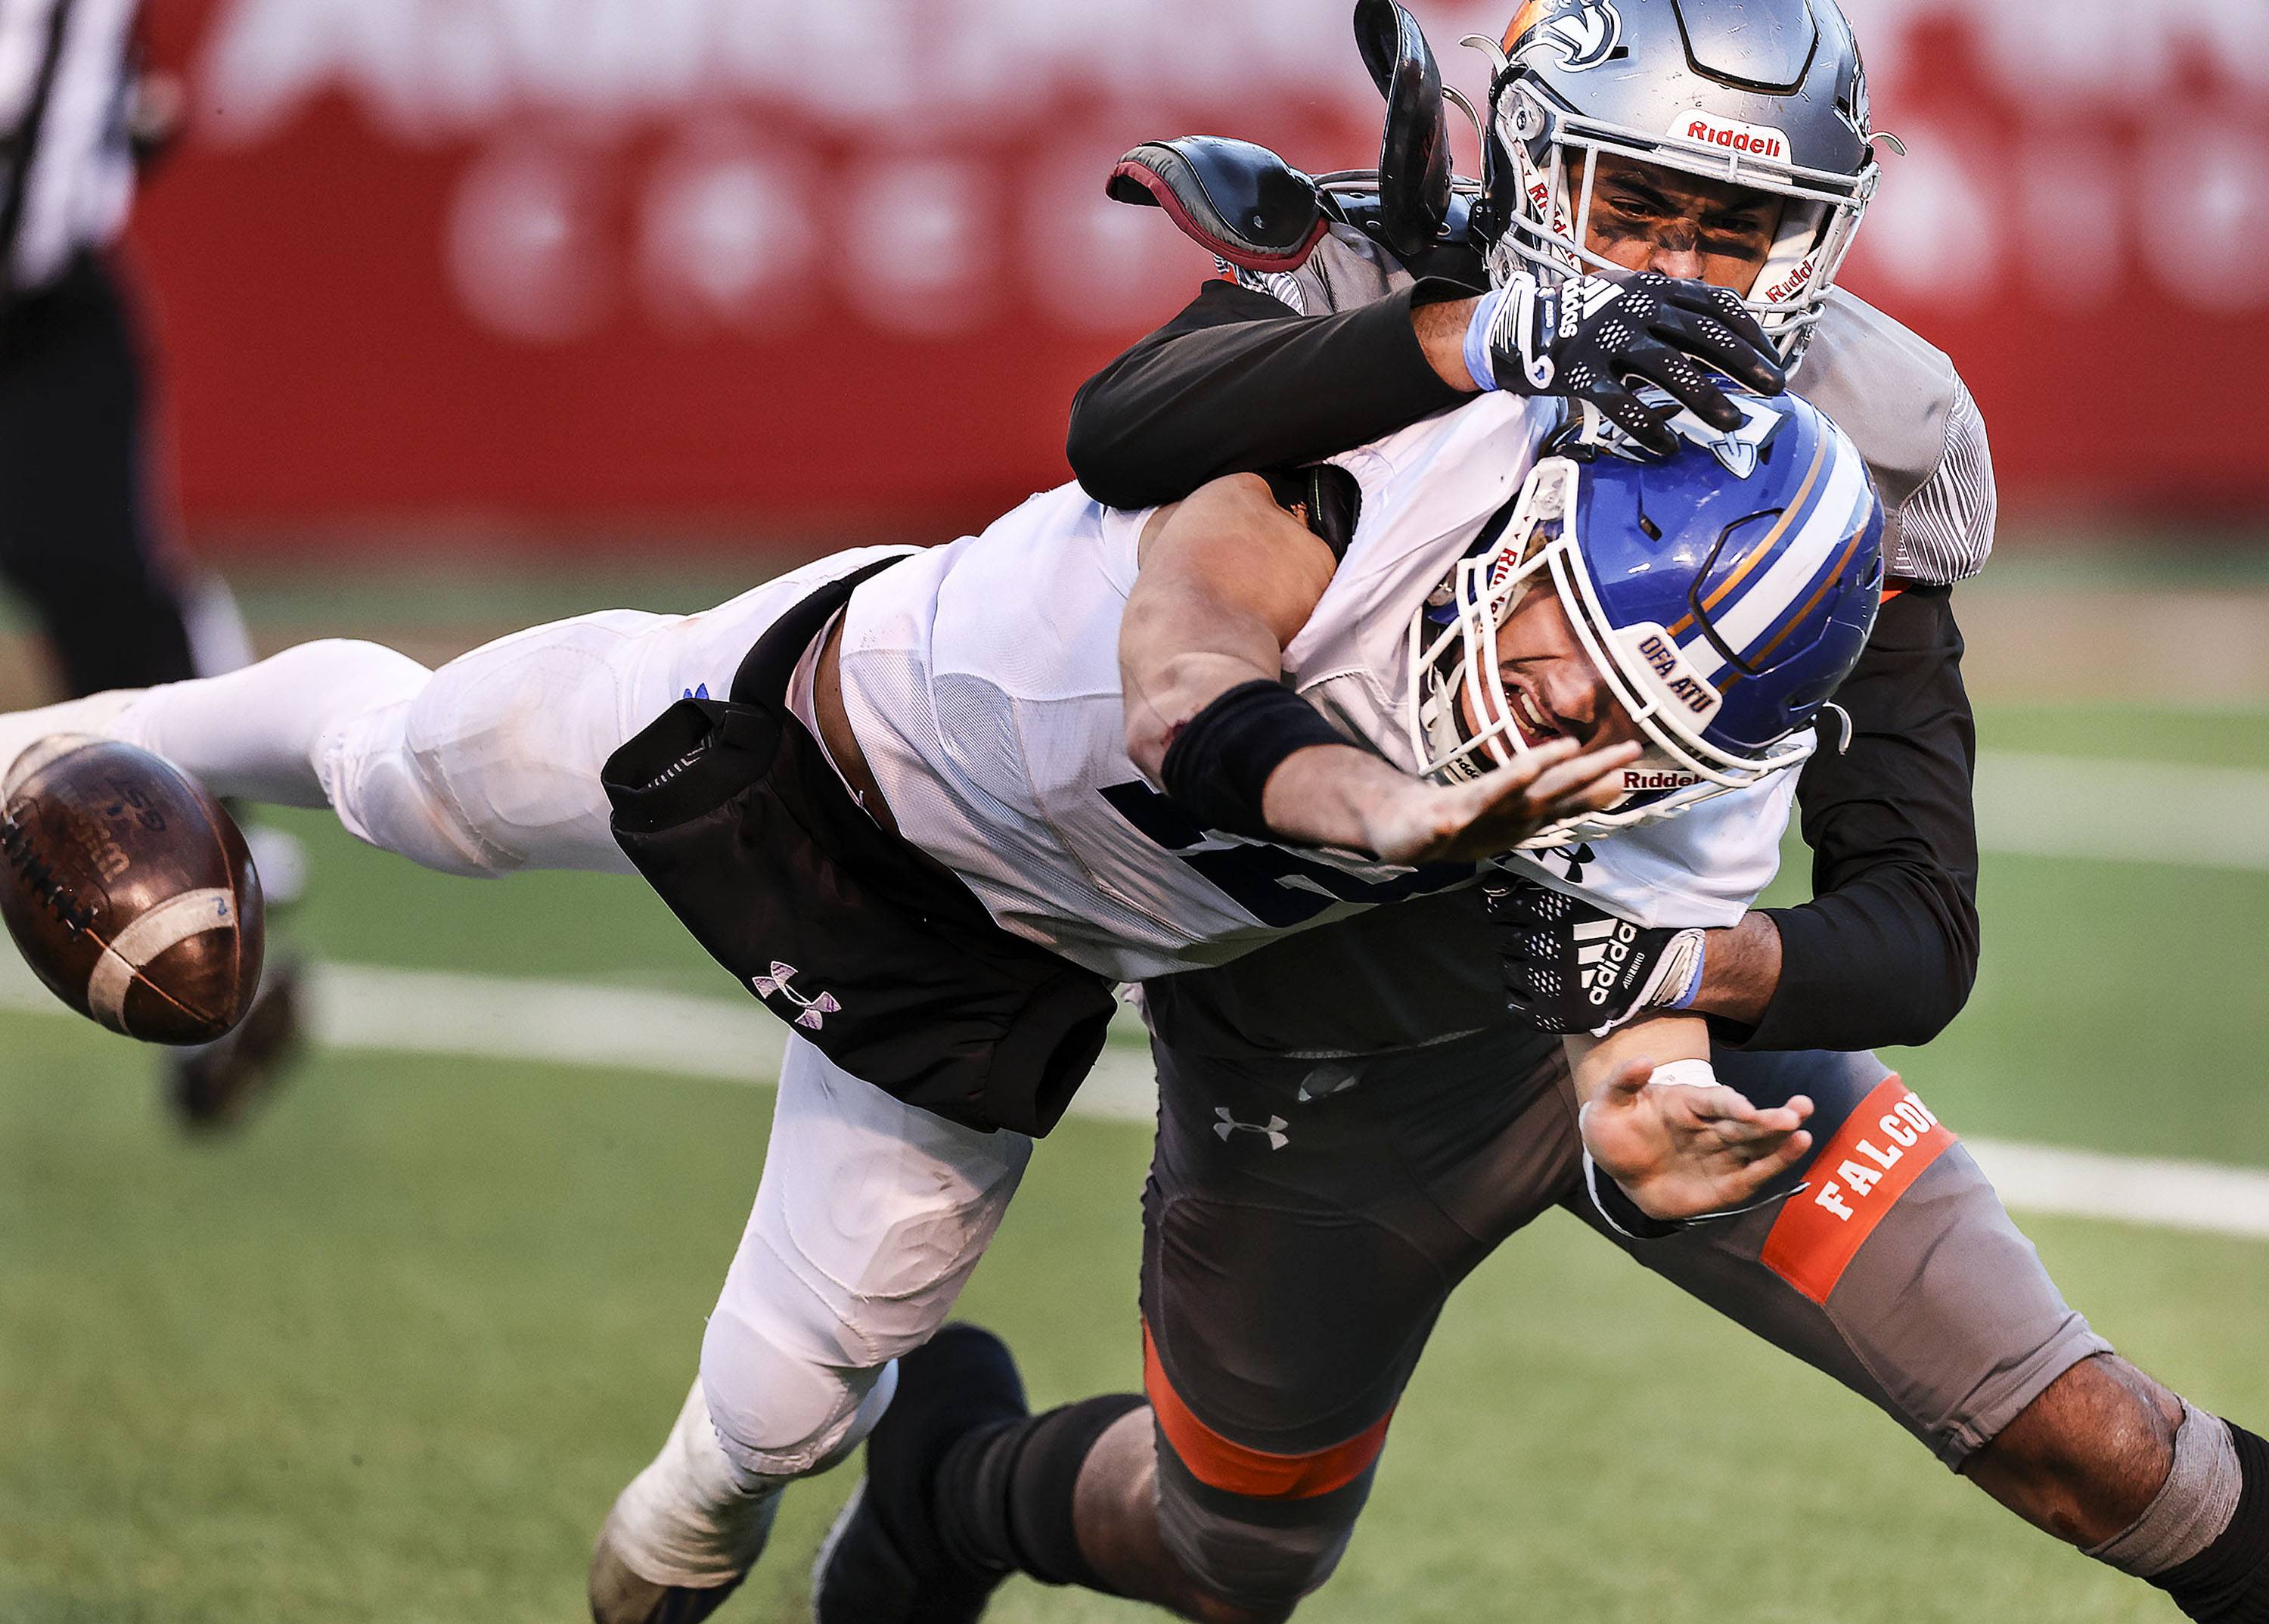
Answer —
129 891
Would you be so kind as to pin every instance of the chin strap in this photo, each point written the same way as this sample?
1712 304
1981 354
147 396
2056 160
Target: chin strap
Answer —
1843 739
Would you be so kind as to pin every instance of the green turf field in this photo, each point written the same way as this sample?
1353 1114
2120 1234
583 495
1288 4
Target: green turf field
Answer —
388 1353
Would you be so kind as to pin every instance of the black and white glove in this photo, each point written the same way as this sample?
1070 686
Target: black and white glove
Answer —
1583 337
1571 967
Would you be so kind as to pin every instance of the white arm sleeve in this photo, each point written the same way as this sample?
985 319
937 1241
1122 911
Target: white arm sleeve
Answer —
1944 532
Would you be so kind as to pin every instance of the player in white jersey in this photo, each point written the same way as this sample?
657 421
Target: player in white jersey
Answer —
971 698
1000 755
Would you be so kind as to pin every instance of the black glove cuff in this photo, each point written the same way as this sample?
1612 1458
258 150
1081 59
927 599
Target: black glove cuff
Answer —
1216 765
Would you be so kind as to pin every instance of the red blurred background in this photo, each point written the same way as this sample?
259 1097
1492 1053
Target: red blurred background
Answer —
810 267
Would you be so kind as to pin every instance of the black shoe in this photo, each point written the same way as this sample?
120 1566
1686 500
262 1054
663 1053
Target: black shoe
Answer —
213 1086
884 1561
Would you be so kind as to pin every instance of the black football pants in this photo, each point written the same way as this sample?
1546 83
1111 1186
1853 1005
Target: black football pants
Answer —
76 533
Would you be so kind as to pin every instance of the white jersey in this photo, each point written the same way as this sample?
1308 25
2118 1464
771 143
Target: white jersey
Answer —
982 682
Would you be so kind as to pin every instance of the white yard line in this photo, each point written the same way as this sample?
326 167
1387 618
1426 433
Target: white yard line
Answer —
368 1008
2086 1183
426 1012
375 1007
2123 811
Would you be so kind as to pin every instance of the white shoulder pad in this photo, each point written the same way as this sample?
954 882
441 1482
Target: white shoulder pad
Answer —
1907 409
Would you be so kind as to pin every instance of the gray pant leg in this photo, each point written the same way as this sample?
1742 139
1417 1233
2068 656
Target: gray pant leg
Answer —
1304 1223
1944 1318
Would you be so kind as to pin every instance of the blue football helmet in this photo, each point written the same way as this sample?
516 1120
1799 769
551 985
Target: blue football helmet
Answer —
1723 593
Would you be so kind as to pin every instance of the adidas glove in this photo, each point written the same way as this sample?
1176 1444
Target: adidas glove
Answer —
1571 967
1583 337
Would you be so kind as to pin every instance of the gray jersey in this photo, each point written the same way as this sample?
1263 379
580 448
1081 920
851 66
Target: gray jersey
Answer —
1426 970
1909 412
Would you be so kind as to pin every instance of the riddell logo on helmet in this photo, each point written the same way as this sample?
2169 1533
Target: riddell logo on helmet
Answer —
1756 140
1639 780
1789 286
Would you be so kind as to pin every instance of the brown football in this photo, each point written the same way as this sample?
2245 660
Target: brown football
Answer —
128 889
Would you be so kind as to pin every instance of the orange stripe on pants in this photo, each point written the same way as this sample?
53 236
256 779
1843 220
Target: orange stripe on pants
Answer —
1235 1470
1881 1149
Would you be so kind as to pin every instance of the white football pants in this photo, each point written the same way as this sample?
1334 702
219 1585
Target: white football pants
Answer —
870 1213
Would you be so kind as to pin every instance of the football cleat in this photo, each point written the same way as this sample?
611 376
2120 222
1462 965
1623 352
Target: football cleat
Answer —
214 1086
884 1562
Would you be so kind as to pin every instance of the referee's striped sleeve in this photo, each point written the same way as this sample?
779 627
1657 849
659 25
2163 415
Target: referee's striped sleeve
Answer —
1944 532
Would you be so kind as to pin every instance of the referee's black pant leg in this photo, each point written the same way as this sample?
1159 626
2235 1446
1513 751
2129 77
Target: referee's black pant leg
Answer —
76 532
1302 1223
1893 1268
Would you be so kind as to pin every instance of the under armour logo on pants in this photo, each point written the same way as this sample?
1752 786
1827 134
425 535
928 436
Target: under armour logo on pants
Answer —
815 1011
1273 1130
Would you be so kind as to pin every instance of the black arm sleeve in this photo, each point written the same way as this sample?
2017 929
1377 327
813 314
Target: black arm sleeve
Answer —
1887 951
1237 383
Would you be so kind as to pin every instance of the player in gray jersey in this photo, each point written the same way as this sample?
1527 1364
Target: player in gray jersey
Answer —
1337 1145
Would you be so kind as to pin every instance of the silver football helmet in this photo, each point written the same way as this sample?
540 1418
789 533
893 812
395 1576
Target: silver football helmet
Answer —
1768 94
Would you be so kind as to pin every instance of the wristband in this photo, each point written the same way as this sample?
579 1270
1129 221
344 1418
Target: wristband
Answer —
1220 761
1685 1074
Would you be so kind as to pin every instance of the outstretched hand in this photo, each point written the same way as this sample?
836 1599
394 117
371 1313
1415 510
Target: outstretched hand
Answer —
1681 1151
1426 822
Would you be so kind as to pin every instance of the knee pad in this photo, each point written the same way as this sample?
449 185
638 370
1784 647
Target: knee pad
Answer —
778 1412
384 792
492 764
512 737
389 796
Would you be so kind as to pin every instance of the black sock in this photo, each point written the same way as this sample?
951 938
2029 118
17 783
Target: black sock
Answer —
1003 1495
2228 1582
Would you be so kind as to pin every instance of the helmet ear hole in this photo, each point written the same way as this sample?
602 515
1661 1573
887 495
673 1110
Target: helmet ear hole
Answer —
1741 535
